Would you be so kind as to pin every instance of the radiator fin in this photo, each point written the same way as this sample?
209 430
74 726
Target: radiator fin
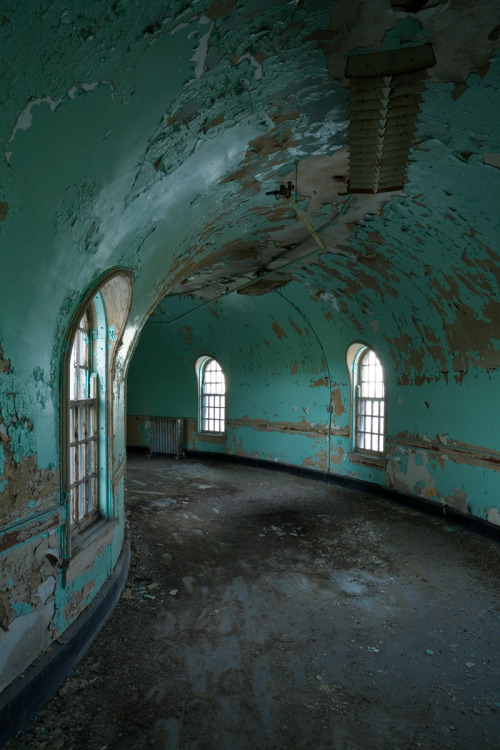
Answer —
167 436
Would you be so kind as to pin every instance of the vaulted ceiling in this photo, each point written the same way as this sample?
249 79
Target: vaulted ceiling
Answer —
152 136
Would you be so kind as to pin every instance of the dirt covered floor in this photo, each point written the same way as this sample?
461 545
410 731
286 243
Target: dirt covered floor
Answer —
268 611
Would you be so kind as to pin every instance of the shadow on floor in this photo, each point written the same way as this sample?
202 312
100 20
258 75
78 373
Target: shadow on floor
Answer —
267 611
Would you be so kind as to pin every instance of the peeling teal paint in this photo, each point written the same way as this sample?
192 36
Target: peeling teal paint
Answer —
21 608
145 137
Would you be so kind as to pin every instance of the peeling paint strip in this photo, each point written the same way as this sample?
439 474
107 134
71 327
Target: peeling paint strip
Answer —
305 428
23 531
459 454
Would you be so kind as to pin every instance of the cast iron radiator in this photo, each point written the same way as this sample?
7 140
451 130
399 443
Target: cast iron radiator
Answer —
167 436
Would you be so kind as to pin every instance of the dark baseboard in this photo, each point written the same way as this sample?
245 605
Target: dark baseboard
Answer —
137 449
21 700
446 512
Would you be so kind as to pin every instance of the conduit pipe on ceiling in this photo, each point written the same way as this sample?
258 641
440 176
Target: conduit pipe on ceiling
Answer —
295 261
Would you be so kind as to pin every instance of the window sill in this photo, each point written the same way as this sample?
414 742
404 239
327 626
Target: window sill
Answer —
370 460
87 546
212 437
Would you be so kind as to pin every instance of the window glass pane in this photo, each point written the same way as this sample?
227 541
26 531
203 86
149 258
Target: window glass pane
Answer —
213 398
83 426
370 404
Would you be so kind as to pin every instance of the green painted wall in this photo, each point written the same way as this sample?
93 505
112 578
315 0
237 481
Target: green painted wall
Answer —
145 136
282 359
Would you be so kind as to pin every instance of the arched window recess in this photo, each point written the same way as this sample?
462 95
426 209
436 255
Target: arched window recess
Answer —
211 396
87 395
368 398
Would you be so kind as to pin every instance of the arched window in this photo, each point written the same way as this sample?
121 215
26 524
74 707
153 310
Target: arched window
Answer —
369 402
212 399
87 376
91 386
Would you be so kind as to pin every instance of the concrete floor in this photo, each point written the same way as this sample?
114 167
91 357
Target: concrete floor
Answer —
269 611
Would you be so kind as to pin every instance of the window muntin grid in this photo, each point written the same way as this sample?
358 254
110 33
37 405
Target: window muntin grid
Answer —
370 404
83 429
213 398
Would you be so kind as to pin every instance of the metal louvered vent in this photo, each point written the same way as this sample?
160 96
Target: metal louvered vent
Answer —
385 95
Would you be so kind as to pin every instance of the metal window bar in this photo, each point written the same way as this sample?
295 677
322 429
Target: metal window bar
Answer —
213 398
370 416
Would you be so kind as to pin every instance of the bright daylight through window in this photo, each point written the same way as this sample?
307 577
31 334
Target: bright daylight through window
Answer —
213 398
370 403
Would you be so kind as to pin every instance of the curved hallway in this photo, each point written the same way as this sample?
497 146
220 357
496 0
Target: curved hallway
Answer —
265 610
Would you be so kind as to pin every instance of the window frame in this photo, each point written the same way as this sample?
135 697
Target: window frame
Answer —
109 303
356 357
216 395
84 415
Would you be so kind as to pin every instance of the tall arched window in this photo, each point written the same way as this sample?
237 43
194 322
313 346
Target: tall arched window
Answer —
369 399
212 396
90 385
87 375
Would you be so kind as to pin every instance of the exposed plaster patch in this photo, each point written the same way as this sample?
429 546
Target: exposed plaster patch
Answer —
458 501
200 56
411 471
26 483
493 516
336 401
25 119
493 160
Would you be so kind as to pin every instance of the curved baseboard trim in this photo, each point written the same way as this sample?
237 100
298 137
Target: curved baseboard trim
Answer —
21 700
430 507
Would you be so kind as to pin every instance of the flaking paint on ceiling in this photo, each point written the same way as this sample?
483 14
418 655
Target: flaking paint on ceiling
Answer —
148 138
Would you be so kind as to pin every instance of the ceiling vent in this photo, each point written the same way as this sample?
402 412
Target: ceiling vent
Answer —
385 95
265 285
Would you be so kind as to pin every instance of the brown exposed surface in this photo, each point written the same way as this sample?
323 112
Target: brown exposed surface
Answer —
264 425
452 450
26 482
268 611
336 400
28 567
33 529
220 8
278 330
4 363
